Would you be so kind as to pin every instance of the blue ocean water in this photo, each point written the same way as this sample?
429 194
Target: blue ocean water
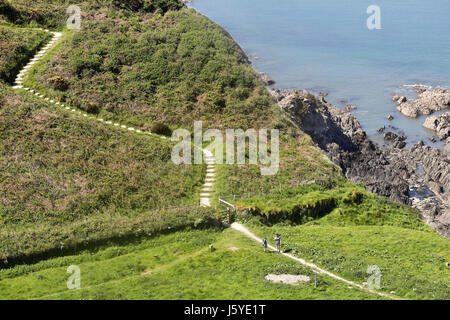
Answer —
325 46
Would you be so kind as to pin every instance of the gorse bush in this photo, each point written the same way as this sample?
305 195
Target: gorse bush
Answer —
58 83
160 128
44 13
354 196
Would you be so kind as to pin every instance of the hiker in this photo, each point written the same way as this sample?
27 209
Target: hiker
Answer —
264 243
278 242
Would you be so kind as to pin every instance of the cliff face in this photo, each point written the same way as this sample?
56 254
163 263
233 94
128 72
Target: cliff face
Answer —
389 172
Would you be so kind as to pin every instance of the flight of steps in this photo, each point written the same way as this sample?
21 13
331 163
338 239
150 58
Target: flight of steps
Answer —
206 193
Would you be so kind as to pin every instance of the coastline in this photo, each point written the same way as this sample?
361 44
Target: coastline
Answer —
351 67
393 171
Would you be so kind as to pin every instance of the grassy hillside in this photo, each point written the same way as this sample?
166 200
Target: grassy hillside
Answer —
346 229
146 68
73 191
412 262
17 46
175 266
141 68
59 169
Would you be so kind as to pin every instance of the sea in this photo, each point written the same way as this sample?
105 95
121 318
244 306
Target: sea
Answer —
359 52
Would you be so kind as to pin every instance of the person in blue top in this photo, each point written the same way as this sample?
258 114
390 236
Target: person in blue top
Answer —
278 242
264 243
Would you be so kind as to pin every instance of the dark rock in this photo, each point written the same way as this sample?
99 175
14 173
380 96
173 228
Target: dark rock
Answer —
388 172
390 136
399 144
390 117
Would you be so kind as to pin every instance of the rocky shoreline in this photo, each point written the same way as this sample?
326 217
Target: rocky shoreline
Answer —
427 102
418 176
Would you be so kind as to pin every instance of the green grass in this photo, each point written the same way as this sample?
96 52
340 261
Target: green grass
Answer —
412 261
174 266
343 205
358 231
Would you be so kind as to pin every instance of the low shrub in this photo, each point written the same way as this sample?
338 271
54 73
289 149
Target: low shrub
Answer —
160 128
354 196
58 83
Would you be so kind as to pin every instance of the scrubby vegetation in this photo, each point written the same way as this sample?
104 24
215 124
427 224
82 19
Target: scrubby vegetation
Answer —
52 13
58 170
146 68
17 46
360 230
36 13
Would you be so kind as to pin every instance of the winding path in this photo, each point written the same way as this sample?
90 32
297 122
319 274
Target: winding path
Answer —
239 227
206 193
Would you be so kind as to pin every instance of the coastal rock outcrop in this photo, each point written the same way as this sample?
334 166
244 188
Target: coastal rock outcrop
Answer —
340 136
432 176
426 103
439 124
397 141
390 172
